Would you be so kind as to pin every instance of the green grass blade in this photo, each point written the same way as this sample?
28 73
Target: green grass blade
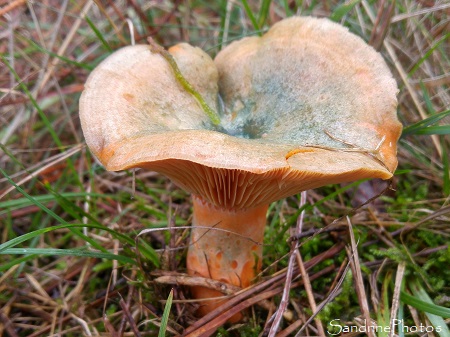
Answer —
263 12
165 317
28 236
434 313
287 10
428 54
383 313
4 266
446 169
427 99
8 205
41 113
417 127
78 213
223 9
20 239
71 208
52 214
15 160
401 317
250 15
342 10
144 248
435 130
60 57
425 305
98 34
148 252
68 252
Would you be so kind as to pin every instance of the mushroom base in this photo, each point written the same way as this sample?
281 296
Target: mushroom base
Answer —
229 250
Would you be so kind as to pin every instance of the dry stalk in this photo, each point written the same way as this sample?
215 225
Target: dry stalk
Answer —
428 10
57 159
359 283
239 302
129 317
310 294
290 329
329 298
289 274
396 296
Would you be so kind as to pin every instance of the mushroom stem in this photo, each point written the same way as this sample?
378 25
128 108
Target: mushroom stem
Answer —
228 250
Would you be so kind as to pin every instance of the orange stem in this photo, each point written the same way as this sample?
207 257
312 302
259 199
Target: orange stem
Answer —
228 250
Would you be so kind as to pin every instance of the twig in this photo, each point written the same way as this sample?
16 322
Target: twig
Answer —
239 299
193 281
206 328
210 326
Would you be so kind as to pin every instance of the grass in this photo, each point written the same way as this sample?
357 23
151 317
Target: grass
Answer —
73 259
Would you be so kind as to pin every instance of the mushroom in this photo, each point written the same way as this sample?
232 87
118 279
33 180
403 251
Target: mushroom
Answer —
305 105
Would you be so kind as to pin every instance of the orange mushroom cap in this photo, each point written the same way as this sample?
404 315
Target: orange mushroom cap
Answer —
290 103
305 105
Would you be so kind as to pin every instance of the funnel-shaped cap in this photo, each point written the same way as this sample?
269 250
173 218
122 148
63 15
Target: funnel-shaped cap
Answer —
307 104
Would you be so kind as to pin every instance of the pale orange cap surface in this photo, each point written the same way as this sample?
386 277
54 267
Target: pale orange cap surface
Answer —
291 102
